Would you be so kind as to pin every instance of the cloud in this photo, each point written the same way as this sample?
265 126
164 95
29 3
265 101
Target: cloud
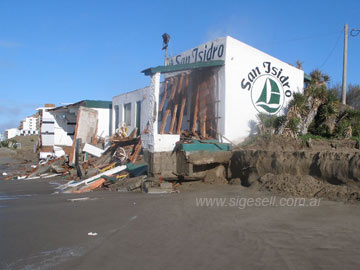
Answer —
8 124
10 44
12 112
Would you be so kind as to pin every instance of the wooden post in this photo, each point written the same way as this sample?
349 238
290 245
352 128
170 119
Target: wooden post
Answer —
182 75
173 118
164 95
196 110
168 107
164 119
203 98
173 92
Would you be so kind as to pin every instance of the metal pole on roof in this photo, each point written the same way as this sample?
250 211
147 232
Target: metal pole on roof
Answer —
166 40
346 29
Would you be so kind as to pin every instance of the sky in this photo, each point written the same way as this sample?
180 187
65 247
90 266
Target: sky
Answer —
63 51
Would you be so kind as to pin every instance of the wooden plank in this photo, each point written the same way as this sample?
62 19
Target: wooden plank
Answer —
210 114
168 107
164 120
203 127
167 82
182 106
196 110
174 112
136 152
182 75
203 95
175 86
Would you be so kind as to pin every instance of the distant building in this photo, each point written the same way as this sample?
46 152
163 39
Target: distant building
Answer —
11 133
87 120
29 124
46 124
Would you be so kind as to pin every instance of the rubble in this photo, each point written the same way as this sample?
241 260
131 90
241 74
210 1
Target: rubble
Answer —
118 167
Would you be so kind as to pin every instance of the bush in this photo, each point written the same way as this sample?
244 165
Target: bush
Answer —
348 120
293 124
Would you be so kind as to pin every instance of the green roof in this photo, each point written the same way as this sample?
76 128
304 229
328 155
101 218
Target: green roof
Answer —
307 78
174 68
98 104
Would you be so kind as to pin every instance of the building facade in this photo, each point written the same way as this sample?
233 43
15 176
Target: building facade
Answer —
46 123
216 90
29 124
11 133
87 120
127 110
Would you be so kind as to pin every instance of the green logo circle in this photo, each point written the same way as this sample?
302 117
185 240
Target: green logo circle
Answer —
267 94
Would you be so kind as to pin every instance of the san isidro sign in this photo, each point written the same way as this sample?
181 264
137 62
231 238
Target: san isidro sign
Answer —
269 82
269 86
210 51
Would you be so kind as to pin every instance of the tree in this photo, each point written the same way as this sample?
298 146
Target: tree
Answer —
304 107
353 96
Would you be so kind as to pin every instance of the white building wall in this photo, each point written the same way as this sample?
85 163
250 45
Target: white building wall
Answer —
47 126
104 123
65 123
131 97
63 132
240 83
12 132
30 123
241 94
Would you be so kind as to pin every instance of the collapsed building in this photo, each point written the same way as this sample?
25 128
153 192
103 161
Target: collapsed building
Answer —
88 120
210 95
198 105
46 129
183 126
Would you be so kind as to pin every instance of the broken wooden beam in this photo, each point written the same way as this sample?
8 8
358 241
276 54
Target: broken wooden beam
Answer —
164 95
174 112
136 152
182 106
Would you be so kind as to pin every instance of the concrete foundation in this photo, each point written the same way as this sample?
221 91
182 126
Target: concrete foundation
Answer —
161 163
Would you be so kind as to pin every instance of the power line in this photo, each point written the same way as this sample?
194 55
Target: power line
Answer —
332 50
304 37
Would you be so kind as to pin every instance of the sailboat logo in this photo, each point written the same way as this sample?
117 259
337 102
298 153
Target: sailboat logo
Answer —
270 98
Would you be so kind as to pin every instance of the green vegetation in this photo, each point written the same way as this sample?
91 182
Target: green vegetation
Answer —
317 113
10 143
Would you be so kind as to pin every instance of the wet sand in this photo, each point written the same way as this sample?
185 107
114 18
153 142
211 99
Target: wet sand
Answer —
41 230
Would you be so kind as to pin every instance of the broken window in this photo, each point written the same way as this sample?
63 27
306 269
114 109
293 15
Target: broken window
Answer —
138 115
127 114
188 104
117 115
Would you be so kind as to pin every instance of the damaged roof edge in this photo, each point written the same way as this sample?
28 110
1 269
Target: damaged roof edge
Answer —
100 104
174 68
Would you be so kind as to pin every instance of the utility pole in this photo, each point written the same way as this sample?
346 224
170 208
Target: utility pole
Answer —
346 29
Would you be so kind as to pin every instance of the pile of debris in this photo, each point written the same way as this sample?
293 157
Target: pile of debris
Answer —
119 165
